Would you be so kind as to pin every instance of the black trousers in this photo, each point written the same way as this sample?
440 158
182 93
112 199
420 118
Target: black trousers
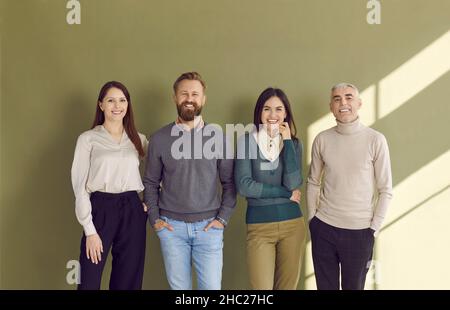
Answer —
338 251
120 221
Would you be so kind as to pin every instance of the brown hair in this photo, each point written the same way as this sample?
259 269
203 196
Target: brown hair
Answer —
266 95
195 76
128 120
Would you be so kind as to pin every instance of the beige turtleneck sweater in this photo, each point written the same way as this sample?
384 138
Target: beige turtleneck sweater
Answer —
349 183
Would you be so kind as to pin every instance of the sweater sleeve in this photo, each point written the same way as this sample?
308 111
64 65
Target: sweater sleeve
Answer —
226 169
383 181
79 175
314 180
292 172
152 181
246 185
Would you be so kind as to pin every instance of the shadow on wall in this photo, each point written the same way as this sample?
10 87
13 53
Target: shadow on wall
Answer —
415 131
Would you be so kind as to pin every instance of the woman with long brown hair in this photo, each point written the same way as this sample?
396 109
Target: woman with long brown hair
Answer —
106 182
268 173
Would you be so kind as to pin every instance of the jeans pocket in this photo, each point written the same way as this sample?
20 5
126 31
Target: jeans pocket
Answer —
165 219
217 228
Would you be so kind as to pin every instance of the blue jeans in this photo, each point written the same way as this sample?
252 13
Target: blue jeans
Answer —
189 244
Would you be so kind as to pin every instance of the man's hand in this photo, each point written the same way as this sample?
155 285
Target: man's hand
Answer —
214 223
160 224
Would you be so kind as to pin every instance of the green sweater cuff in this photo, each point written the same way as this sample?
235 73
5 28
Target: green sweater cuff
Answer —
274 191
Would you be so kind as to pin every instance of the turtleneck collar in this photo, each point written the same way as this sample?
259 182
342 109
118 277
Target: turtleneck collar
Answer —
349 128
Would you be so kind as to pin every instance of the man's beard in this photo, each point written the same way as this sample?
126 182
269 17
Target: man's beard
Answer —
186 114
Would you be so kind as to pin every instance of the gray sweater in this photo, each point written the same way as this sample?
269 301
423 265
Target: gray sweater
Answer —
187 189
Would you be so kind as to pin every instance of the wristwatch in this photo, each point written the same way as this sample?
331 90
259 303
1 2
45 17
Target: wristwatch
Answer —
221 221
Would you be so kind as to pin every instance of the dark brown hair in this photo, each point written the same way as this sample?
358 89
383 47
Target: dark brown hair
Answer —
189 76
266 95
128 120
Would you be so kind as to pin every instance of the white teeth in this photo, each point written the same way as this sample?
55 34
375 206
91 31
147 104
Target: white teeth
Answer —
344 110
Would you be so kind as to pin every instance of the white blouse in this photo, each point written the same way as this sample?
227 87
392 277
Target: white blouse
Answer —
102 164
270 147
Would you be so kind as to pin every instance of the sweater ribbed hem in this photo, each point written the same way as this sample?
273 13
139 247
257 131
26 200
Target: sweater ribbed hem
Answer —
272 213
189 217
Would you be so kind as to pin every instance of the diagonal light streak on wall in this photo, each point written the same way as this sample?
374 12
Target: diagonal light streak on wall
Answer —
396 88
419 186
414 75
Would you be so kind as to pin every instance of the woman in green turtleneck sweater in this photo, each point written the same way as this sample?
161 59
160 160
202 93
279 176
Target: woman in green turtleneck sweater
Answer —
268 173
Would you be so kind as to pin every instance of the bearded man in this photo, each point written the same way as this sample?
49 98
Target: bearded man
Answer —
186 207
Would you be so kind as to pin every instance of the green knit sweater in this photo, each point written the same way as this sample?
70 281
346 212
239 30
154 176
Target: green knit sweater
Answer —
268 185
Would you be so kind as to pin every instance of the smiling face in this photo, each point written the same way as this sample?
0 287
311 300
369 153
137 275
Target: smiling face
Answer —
114 105
345 104
273 112
190 99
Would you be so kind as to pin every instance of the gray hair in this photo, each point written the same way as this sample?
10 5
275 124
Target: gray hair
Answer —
344 85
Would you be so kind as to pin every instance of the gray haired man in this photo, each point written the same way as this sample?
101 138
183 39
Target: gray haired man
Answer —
348 191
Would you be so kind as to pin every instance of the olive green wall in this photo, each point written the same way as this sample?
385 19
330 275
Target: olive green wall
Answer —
51 73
